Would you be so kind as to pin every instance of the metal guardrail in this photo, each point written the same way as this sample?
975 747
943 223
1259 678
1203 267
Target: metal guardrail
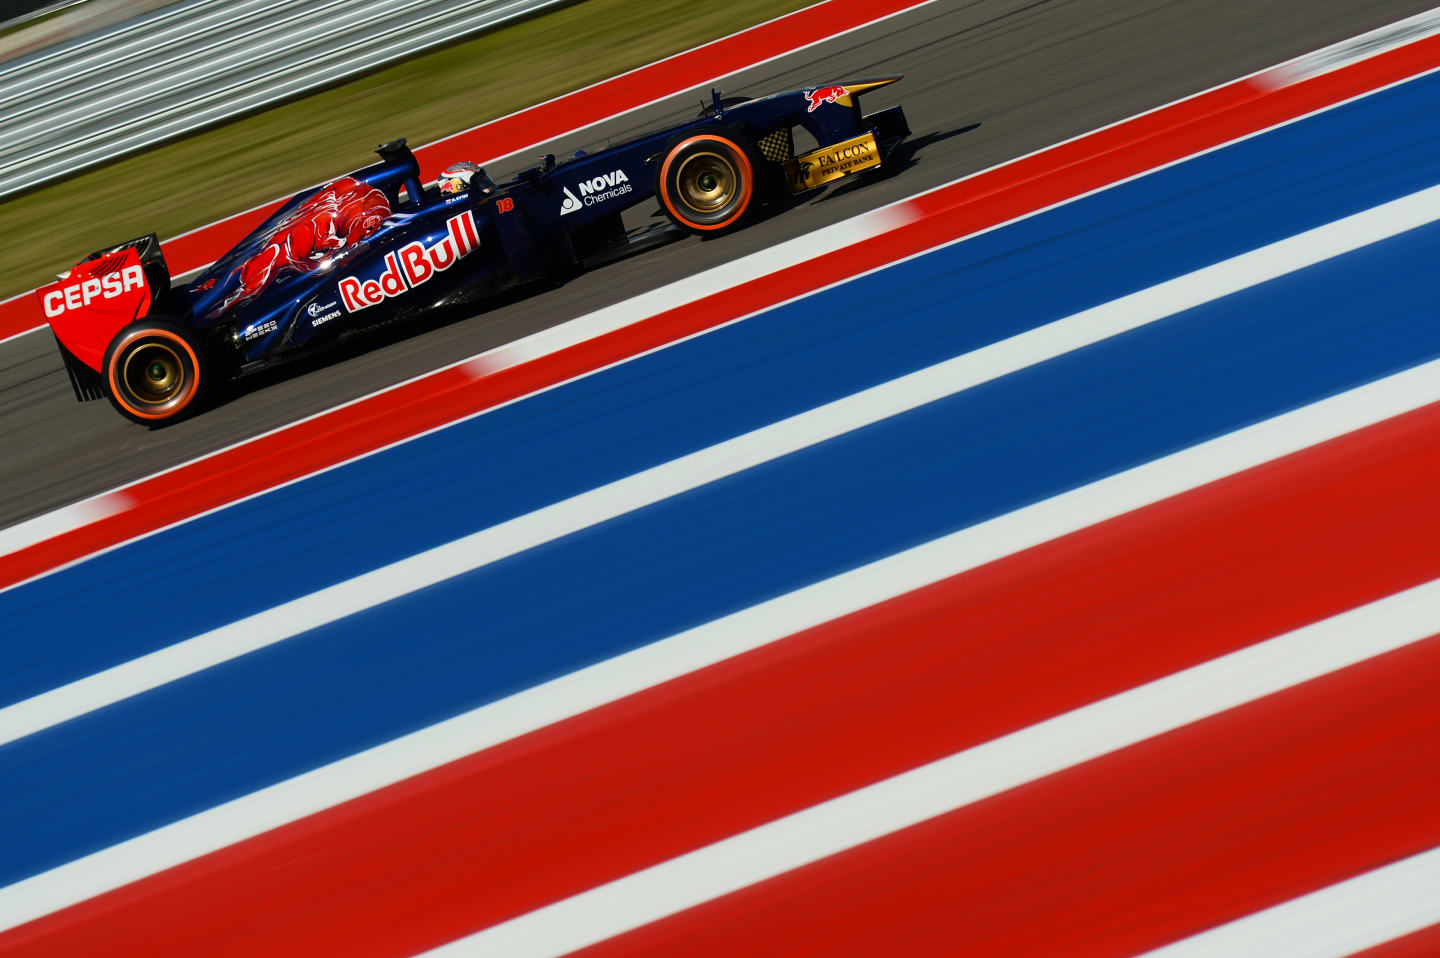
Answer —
199 62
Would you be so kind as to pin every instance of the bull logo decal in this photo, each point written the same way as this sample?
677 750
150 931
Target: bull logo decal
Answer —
335 218
824 95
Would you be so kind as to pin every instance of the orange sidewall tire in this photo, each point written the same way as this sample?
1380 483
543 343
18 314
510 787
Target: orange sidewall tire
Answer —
743 165
172 408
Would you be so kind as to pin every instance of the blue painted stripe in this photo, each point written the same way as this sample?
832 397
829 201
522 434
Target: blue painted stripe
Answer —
451 647
332 527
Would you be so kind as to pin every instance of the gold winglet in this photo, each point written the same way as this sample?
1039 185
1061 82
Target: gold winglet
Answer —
854 89
864 86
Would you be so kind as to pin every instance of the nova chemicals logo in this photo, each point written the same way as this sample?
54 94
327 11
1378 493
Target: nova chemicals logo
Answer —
607 186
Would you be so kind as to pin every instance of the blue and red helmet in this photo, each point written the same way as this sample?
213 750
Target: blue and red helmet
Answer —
460 177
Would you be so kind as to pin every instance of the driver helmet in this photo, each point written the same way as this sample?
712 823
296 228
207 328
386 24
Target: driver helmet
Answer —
459 177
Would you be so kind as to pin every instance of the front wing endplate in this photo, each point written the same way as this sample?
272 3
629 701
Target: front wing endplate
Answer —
832 162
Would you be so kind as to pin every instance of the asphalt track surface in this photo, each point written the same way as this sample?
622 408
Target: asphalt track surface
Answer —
985 81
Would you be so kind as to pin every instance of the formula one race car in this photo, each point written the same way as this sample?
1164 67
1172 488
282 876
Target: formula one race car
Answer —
376 245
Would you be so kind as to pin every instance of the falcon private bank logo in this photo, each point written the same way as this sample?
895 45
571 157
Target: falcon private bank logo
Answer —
413 265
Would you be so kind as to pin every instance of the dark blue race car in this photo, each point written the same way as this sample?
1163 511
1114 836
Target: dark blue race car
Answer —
377 245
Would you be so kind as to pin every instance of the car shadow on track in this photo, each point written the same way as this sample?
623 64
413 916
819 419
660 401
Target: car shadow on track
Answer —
902 159
362 342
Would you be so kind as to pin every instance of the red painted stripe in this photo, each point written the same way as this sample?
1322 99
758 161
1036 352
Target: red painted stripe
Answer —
906 682
544 121
1424 943
1251 808
950 212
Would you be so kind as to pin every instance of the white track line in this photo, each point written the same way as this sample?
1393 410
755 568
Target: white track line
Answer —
688 472
716 641
718 279
62 520
1346 918
963 778
1382 40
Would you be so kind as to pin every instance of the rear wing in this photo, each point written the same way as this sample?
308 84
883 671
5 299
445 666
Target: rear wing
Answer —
102 294
152 258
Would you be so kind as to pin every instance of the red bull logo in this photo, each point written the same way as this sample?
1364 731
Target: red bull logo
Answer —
824 95
413 265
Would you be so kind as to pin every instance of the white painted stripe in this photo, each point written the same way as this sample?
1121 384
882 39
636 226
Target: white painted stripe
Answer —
1342 54
1346 918
963 778
716 641
23 332
895 213
51 524
718 279
716 462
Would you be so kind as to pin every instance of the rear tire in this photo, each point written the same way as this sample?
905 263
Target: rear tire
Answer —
155 372
710 181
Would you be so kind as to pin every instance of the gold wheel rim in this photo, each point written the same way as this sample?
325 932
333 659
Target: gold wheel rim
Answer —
153 374
707 182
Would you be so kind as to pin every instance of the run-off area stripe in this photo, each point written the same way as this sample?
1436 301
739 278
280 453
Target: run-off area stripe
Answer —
1424 943
252 823
271 807
1384 905
966 660
1222 812
680 475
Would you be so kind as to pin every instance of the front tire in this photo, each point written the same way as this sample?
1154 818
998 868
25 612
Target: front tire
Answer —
709 182
155 372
